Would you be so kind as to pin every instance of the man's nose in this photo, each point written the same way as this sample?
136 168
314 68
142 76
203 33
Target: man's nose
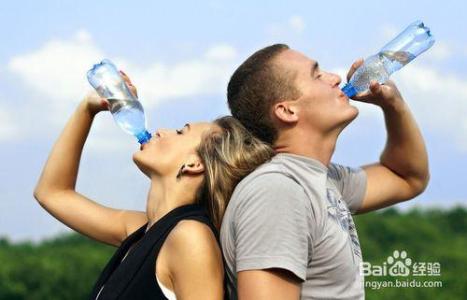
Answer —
335 79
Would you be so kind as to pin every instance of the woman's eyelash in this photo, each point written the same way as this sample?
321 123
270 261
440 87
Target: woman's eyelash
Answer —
178 131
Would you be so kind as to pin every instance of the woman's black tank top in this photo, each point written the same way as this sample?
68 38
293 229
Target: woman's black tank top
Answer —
134 278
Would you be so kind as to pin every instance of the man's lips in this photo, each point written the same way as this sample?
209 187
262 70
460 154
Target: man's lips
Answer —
344 96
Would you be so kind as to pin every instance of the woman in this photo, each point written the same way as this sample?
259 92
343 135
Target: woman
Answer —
170 251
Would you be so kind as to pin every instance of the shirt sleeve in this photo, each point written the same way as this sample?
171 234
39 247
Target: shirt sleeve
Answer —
272 225
352 183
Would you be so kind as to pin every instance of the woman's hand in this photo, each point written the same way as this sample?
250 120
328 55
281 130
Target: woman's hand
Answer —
56 188
130 85
95 104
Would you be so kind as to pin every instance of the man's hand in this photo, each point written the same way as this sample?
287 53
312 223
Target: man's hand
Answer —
402 172
383 95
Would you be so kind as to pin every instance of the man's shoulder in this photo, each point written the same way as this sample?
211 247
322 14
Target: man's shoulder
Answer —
266 173
338 172
269 182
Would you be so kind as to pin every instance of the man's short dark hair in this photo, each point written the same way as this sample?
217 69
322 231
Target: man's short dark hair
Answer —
255 87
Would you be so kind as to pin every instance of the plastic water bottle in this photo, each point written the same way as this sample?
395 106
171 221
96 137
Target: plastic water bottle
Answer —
410 43
125 108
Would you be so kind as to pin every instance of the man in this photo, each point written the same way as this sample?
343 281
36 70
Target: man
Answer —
288 232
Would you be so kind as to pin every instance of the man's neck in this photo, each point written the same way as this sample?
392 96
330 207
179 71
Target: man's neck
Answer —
316 146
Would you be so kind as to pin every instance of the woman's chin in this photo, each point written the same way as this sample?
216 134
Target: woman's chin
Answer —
139 162
142 165
136 158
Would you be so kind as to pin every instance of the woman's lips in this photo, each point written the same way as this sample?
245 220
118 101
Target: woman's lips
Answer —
143 145
154 138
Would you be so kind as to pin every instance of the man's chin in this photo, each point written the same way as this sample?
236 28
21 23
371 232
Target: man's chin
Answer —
351 115
356 112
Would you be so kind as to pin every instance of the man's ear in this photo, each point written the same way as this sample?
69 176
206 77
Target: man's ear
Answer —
286 111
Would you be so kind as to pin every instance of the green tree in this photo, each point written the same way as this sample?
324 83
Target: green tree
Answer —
67 266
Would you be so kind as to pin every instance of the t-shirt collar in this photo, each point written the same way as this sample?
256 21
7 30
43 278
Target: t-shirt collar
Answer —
307 160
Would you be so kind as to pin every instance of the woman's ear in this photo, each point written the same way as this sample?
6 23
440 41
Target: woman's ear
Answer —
286 112
193 166
193 169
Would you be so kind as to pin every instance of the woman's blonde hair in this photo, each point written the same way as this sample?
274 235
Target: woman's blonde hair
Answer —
229 154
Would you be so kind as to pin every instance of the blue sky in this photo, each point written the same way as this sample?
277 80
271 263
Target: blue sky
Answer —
180 55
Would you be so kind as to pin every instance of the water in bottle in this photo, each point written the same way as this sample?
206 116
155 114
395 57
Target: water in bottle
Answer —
410 43
126 110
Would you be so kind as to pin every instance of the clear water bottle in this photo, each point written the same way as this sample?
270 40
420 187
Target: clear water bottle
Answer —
124 106
410 43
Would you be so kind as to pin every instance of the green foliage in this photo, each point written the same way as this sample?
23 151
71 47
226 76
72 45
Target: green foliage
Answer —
62 268
67 266
427 236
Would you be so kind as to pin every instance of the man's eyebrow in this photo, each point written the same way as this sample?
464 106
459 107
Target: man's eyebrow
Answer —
314 67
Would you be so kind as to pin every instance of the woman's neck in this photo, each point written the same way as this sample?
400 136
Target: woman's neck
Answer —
165 195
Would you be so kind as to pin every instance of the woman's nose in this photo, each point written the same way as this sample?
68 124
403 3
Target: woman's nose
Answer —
161 132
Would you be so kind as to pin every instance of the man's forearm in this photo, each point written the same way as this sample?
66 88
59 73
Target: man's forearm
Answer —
405 152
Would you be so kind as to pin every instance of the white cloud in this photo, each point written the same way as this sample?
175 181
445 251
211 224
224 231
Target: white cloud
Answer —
439 99
160 81
58 69
55 74
295 24
439 51
221 52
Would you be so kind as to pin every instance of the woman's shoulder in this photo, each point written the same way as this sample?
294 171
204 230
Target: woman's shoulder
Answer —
193 259
193 250
192 236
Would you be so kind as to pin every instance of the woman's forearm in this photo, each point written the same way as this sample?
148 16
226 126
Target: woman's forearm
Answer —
61 169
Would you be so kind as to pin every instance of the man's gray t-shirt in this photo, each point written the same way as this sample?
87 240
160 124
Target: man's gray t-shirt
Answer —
294 213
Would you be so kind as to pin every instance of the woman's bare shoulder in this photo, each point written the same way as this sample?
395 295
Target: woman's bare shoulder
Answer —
192 244
194 261
191 236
